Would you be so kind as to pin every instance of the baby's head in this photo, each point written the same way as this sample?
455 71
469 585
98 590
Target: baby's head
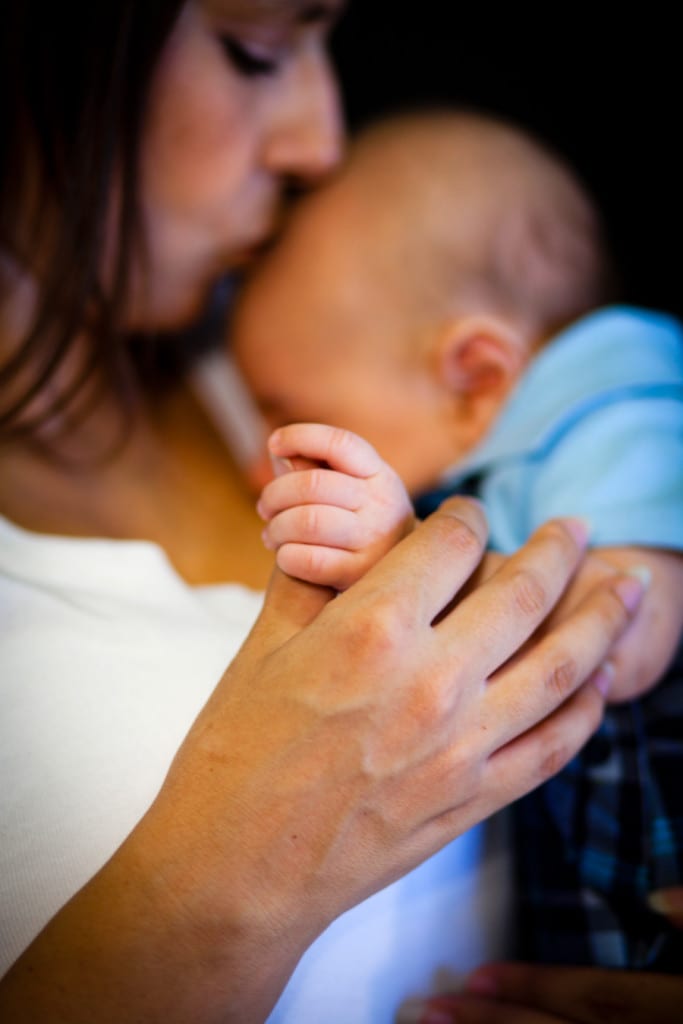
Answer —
407 295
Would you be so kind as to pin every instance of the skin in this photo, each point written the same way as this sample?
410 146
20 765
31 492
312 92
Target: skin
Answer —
142 938
218 147
316 311
326 509
329 524
440 240
270 821
333 509
337 327
221 142
526 994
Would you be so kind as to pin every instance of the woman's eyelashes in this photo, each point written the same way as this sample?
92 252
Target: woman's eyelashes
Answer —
247 60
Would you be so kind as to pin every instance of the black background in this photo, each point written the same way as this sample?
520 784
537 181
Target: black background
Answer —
603 88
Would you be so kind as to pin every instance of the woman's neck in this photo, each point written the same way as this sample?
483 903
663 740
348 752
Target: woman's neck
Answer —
173 482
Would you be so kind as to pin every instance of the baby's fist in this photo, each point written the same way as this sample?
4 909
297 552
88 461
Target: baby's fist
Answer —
336 506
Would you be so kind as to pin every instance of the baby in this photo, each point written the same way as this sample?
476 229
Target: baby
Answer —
441 298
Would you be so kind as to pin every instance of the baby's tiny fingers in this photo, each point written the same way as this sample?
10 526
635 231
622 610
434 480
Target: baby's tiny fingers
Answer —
315 563
311 487
340 449
315 524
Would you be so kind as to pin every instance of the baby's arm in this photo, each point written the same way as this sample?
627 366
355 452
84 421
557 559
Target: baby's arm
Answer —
337 510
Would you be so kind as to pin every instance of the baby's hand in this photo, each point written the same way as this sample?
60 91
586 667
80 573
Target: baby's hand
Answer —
336 508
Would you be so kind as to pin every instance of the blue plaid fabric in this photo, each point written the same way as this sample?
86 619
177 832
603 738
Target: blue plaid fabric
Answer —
595 840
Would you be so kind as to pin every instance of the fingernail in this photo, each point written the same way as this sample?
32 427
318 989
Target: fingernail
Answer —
666 901
603 677
481 984
630 589
642 573
267 542
580 529
281 465
259 510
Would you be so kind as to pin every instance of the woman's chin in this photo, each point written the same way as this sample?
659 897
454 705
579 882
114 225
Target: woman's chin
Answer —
173 311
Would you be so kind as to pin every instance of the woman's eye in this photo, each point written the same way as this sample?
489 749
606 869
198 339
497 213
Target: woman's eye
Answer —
247 61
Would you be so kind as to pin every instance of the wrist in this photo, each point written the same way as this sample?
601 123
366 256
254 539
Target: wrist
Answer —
225 944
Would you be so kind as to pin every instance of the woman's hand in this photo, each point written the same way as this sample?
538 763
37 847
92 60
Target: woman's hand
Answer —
528 994
348 741
647 647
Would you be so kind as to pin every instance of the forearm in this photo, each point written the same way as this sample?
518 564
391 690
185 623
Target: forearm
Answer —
148 940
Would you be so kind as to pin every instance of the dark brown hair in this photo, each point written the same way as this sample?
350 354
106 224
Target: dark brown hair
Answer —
74 79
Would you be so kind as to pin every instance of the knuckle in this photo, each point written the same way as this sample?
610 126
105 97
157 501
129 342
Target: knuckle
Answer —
528 593
310 519
304 561
312 483
555 756
465 760
559 746
340 440
429 707
312 560
555 532
562 677
381 630
460 537
608 613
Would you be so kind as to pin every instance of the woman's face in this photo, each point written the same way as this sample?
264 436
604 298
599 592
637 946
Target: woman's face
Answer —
244 101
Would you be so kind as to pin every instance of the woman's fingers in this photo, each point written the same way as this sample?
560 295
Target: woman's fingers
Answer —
583 995
290 605
562 659
426 570
412 583
464 1010
500 615
530 994
542 751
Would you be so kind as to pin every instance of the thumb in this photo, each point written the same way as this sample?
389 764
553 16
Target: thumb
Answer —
290 605
280 464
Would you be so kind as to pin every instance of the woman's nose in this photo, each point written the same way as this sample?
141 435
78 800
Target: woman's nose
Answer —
306 134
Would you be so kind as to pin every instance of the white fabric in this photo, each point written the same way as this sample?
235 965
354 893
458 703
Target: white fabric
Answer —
106 657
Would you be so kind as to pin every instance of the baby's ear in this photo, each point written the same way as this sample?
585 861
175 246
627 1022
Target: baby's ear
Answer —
480 355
